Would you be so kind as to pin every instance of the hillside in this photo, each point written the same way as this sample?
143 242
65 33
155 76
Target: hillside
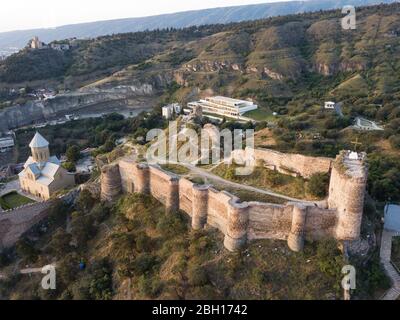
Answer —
18 39
288 65
135 250
261 52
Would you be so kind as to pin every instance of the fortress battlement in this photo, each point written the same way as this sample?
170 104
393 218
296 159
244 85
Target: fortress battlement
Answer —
241 222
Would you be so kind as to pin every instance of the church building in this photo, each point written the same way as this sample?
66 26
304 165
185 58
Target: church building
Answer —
43 175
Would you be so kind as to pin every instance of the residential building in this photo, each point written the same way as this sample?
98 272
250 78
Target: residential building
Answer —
60 46
43 175
223 106
330 105
6 144
171 109
35 43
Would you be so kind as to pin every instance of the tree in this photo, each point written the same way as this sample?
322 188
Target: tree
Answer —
73 154
85 201
69 166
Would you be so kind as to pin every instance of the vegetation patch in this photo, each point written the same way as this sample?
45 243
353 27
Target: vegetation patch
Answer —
396 252
260 114
175 168
13 200
264 178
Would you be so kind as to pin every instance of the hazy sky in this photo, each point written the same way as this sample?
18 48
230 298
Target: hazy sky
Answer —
28 14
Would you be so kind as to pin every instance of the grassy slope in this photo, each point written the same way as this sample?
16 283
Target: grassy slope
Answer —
268 179
13 200
138 251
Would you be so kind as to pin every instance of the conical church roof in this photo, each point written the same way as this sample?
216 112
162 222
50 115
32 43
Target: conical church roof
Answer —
38 141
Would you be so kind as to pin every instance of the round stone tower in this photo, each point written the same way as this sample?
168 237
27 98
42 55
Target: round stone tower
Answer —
238 219
347 192
172 195
142 183
200 206
296 236
111 186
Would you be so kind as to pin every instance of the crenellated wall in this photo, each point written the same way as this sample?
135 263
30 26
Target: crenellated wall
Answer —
245 221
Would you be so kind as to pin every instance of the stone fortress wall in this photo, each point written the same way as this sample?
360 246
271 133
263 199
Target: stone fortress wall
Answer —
294 164
14 223
245 221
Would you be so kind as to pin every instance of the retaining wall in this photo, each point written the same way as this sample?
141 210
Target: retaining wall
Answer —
14 223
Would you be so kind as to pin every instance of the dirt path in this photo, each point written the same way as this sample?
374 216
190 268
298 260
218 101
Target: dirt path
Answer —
212 177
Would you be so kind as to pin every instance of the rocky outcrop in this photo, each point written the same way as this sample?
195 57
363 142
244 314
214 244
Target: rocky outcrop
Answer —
272 74
334 68
212 66
142 90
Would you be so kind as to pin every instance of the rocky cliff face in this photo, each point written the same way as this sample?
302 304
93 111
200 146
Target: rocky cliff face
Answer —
327 69
34 111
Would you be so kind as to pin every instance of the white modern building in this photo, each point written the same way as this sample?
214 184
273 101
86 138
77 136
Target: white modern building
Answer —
224 106
171 109
330 105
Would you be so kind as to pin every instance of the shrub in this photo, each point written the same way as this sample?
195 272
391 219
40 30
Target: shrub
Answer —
143 242
69 166
149 287
197 276
172 224
318 185
144 263
100 212
83 229
60 243
100 285
329 258
85 201
26 250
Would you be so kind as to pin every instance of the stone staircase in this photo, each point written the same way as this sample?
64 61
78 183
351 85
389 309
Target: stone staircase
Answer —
385 255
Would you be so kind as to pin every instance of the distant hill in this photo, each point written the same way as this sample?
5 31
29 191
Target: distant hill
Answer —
18 39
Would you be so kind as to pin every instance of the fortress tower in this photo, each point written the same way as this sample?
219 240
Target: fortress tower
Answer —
110 182
347 192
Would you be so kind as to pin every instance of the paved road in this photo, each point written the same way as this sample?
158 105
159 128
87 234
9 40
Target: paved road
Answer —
385 255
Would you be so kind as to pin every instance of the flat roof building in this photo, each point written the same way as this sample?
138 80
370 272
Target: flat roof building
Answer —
171 109
6 144
224 106
330 105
